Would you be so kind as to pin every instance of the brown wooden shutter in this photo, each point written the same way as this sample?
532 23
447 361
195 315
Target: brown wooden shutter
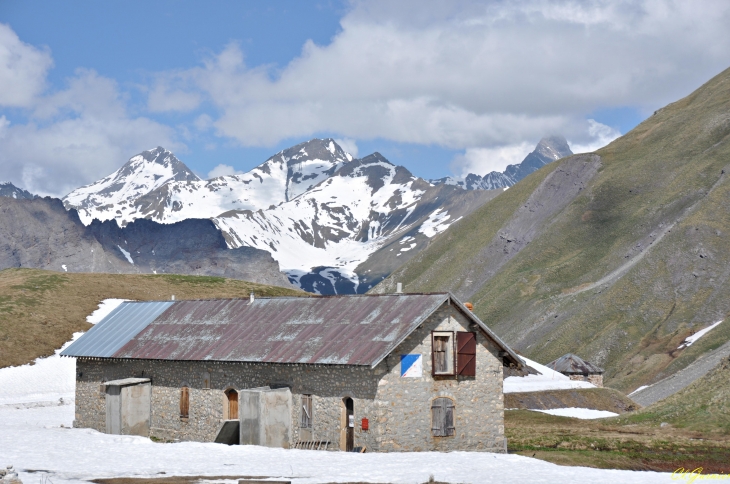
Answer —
184 402
466 354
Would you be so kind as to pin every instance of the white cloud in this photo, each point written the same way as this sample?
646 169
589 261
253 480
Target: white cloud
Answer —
470 74
223 170
349 145
484 160
164 98
23 69
76 136
600 136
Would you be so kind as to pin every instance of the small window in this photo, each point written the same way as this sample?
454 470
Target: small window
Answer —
306 420
466 354
442 417
206 380
443 353
184 402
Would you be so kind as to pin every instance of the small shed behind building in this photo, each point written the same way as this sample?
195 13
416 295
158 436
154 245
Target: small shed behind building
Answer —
576 368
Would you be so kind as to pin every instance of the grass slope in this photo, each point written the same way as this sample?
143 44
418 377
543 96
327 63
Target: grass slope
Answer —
40 310
613 443
636 262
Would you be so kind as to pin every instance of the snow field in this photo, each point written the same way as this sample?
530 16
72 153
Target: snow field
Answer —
547 380
33 439
581 413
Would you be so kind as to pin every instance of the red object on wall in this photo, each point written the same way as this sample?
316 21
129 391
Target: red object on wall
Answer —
365 424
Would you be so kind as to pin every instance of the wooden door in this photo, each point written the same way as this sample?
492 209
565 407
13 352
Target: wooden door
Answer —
232 404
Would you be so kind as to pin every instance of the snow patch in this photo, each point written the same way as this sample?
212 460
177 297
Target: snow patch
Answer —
105 308
575 412
642 387
127 255
699 334
547 380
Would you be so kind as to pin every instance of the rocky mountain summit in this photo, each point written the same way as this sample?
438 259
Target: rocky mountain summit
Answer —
549 149
321 213
7 189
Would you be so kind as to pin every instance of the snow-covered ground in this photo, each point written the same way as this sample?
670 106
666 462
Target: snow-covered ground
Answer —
582 413
547 380
39 442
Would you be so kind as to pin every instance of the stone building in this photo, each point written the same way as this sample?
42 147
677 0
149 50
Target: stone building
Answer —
395 372
577 368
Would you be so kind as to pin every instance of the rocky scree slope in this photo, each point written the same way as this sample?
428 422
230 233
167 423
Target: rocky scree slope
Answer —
617 256
39 233
324 216
549 149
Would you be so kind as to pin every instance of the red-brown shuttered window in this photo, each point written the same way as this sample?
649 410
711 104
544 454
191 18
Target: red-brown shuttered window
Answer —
466 353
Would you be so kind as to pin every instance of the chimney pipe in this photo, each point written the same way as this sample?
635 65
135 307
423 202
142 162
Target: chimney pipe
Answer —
252 298
399 288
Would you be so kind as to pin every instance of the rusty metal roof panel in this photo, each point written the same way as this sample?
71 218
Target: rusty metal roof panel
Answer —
572 364
114 331
349 330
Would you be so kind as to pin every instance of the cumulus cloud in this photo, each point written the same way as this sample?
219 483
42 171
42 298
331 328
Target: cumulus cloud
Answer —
23 69
349 145
485 160
223 170
165 98
75 136
470 74
600 135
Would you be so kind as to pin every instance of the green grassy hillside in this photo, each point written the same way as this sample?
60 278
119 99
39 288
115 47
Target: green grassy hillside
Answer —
630 263
40 310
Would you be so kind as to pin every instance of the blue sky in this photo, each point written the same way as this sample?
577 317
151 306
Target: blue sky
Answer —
444 88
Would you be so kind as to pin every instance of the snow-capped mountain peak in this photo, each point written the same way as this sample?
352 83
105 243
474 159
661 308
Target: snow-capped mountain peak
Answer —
143 173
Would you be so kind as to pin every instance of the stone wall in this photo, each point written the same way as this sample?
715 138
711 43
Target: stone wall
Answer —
596 380
398 409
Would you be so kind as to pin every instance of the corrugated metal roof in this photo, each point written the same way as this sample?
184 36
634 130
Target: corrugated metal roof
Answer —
571 364
350 330
115 330
340 330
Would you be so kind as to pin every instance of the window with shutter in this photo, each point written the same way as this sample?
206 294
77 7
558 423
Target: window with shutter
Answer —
442 353
466 354
184 402
442 417
306 420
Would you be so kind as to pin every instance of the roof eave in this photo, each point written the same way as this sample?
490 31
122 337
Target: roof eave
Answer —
513 356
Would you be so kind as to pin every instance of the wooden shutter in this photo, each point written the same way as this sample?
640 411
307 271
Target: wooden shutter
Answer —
184 402
442 417
466 354
442 353
449 428
437 417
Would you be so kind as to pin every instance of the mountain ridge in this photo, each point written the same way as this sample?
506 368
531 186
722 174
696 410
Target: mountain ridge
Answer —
320 212
629 266
548 149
